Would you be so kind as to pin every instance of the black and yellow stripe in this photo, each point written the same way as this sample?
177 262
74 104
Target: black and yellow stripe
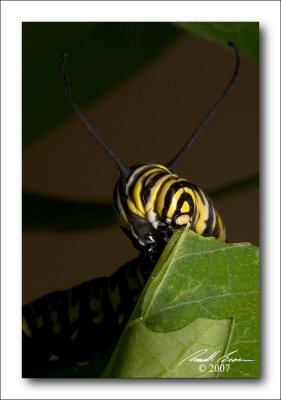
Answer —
72 324
154 200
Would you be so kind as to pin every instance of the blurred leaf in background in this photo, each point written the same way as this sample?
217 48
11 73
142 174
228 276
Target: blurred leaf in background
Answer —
244 34
58 215
100 56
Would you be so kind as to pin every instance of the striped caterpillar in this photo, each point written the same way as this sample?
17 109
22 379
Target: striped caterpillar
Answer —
150 203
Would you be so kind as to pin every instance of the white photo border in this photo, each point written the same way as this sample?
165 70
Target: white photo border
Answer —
13 14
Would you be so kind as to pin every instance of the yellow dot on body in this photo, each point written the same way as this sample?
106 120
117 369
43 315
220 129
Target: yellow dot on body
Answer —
121 318
25 328
98 318
54 316
132 283
95 303
185 207
114 297
73 313
39 321
74 335
57 327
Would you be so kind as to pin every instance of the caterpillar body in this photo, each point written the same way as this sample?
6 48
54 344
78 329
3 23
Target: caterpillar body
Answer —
72 324
150 203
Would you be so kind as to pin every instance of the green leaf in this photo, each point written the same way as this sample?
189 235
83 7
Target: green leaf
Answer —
100 56
163 355
244 34
202 296
41 212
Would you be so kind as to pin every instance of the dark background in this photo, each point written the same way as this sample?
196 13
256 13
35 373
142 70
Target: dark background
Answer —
145 114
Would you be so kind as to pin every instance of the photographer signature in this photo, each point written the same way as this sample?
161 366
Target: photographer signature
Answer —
195 357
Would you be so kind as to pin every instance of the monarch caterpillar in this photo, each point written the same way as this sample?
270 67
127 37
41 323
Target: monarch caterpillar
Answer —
150 203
